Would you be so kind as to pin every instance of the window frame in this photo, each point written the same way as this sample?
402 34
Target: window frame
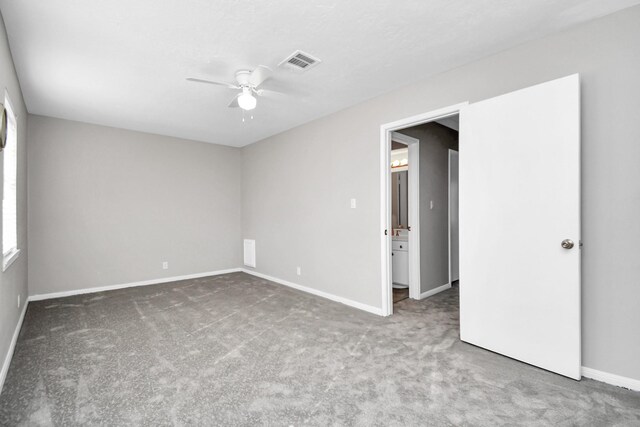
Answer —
9 256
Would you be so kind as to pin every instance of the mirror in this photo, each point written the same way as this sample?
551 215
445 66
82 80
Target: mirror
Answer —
399 199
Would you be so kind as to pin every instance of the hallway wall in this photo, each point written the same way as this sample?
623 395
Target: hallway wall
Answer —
435 142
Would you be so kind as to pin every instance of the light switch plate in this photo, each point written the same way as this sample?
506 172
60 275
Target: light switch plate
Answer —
353 203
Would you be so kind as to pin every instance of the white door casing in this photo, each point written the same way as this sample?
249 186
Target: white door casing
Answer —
454 271
519 180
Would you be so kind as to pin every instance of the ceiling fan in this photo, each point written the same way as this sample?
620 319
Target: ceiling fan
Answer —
247 82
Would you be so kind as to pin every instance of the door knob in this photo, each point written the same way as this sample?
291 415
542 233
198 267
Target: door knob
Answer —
567 243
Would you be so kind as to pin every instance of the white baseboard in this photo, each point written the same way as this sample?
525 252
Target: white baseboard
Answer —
12 346
434 291
612 379
130 285
594 374
332 297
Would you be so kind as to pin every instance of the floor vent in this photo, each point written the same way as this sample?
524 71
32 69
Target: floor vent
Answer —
299 61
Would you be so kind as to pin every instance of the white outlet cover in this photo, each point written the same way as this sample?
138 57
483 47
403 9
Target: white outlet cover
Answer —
353 203
299 271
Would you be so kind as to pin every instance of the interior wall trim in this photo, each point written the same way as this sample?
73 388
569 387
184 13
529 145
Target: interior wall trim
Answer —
327 295
434 291
612 379
12 346
40 297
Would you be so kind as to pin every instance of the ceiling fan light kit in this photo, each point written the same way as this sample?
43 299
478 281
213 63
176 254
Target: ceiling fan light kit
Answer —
246 81
246 100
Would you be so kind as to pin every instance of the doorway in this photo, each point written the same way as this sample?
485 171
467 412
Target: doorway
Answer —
405 217
423 209
432 231
399 220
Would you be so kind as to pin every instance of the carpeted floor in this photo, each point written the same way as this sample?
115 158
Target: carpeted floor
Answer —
238 350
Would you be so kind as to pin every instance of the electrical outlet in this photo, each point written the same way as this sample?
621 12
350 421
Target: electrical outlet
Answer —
299 271
165 265
353 203
430 204
18 300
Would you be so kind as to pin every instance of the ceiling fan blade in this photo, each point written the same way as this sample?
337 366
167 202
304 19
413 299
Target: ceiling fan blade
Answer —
274 86
268 93
259 75
234 103
211 82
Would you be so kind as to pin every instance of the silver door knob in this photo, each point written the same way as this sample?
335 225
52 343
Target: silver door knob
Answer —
567 243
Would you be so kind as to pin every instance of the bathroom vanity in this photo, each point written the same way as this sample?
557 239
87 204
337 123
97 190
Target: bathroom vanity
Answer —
400 259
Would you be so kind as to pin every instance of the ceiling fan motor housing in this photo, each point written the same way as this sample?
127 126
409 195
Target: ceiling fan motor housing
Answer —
242 77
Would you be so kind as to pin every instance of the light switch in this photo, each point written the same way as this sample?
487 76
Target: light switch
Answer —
353 203
430 204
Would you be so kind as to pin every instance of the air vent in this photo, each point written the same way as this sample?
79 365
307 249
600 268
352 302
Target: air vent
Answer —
299 61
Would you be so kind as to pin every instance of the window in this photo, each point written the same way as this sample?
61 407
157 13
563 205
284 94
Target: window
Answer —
9 194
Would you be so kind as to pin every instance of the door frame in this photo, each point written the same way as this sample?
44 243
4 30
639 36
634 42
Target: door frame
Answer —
413 198
449 219
385 193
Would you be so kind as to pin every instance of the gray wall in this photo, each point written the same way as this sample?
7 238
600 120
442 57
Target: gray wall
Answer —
13 282
108 206
297 185
435 142
296 196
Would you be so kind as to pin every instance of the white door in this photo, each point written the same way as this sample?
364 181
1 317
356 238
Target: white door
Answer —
519 200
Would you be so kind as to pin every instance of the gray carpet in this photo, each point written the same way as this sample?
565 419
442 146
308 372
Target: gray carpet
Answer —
238 350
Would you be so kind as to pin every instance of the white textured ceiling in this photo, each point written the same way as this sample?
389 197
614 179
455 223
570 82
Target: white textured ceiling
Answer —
123 63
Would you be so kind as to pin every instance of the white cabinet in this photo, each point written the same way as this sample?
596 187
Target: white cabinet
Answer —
400 260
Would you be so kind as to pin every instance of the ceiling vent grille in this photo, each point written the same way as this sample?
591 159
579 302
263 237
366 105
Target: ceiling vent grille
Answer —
299 61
